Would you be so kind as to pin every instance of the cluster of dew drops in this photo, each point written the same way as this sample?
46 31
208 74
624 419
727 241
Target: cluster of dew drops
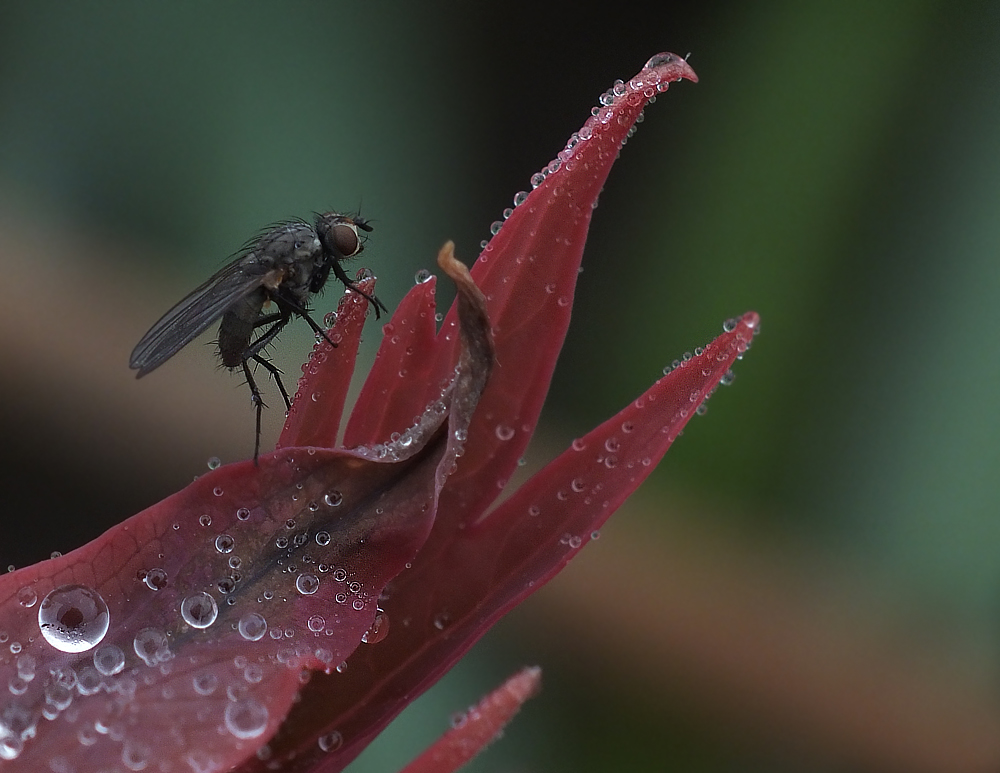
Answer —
648 83
74 619
609 454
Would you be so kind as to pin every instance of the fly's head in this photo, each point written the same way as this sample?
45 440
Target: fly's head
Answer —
339 234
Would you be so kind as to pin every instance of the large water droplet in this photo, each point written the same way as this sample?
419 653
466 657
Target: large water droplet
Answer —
155 579
109 659
378 630
331 741
73 618
307 584
199 610
252 626
151 645
246 718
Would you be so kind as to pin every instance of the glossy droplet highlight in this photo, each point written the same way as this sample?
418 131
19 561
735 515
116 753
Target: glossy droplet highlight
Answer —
155 579
151 645
73 618
379 628
225 543
199 610
109 660
252 626
331 741
307 584
246 718
27 597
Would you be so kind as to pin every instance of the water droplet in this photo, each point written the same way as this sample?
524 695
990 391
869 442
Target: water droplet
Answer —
199 610
225 543
612 445
252 626
333 499
73 618
422 276
109 659
322 538
504 432
378 630
218 491
27 597
307 584
243 513
728 378
155 579
246 718
331 741
150 644
205 684
205 520
214 463
442 621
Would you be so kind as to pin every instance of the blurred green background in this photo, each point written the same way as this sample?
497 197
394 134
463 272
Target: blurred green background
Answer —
837 169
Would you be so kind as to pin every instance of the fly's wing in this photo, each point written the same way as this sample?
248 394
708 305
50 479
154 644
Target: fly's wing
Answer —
189 318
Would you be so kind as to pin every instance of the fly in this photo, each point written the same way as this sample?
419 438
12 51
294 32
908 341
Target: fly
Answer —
284 265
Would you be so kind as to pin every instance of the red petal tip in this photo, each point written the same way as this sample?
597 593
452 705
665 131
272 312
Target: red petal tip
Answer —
670 67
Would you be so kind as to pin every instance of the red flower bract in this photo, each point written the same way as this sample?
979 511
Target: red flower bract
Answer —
222 628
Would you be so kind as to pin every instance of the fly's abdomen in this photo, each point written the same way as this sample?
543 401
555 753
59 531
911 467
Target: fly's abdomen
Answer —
237 327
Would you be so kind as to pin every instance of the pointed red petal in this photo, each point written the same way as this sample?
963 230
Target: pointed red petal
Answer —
387 402
479 726
528 273
465 578
319 402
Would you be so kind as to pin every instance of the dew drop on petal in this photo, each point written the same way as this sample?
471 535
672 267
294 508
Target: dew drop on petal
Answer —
214 463
109 659
155 579
307 584
331 741
504 433
378 630
27 597
135 755
225 543
73 618
205 683
422 276
246 718
151 645
333 499
252 626
199 610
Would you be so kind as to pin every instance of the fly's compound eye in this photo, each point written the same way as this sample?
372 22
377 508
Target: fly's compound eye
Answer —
344 238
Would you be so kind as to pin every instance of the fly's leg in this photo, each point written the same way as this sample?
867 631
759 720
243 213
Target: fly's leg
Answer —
275 372
258 403
255 396
339 272
294 308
